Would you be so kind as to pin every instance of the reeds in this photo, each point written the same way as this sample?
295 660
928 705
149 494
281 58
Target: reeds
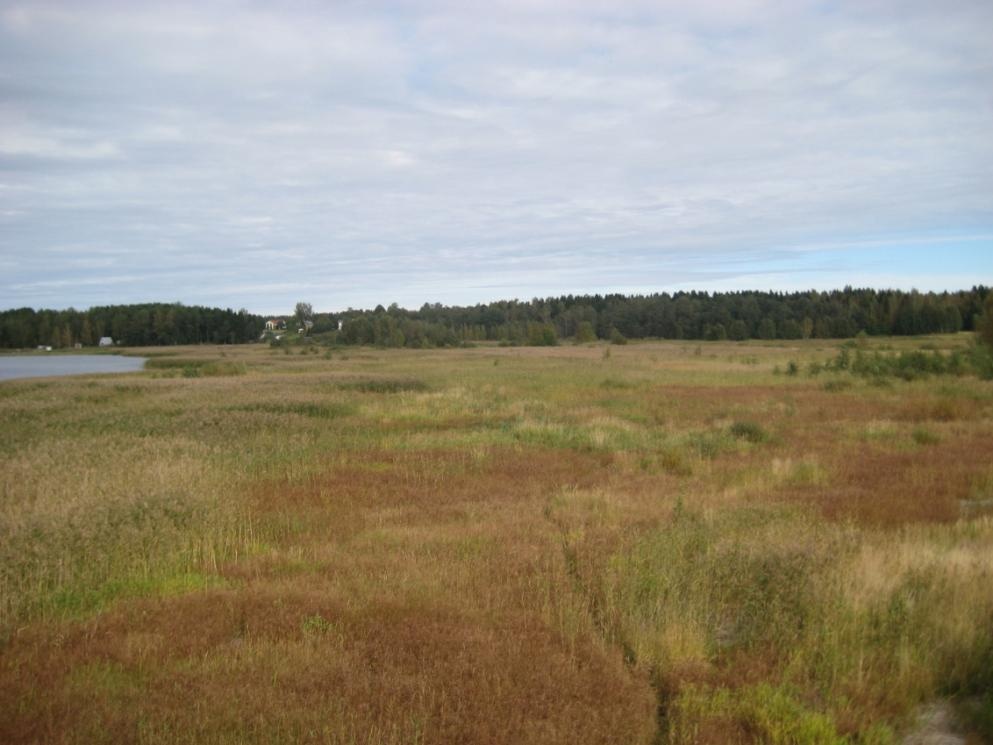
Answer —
653 545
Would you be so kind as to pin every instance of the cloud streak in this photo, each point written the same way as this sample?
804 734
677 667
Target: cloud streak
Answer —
457 153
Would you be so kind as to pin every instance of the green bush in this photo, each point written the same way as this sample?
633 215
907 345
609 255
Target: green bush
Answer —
835 386
397 385
312 410
585 333
912 365
772 715
749 431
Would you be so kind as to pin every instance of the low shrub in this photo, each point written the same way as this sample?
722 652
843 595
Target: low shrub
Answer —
749 431
709 443
835 386
308 409
924 436
912 365
197 368
761 713
384 386
613 383
616 337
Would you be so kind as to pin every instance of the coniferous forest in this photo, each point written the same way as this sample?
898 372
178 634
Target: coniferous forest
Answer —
682 315
147 324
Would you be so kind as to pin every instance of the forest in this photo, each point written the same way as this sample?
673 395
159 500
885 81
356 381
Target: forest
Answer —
147 324
734 316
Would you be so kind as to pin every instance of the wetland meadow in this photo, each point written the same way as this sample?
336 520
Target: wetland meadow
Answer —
660 542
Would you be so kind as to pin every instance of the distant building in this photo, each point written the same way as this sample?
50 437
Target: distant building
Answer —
340 325
105 341
274 324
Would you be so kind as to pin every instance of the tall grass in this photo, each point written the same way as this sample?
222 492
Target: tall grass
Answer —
651 545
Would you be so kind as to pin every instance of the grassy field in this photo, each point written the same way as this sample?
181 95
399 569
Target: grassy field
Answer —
652 543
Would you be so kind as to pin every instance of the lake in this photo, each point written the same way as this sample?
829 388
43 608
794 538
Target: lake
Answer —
39 366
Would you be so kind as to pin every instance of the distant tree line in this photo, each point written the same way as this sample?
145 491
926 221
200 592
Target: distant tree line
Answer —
735 316
718 316
147 324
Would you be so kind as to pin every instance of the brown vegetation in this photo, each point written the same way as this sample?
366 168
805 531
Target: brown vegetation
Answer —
492 546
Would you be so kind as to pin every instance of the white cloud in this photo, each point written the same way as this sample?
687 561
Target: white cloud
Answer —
557 145
57 146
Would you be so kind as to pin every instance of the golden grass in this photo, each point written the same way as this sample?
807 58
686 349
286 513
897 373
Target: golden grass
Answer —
492 545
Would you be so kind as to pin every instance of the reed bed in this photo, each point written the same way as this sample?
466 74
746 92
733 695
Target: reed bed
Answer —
672 543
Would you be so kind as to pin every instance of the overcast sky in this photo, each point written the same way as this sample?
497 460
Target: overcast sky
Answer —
348 154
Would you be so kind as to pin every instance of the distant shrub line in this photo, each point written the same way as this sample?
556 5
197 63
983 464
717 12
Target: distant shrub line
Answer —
909 365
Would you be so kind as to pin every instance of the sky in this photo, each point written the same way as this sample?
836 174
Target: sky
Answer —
348 154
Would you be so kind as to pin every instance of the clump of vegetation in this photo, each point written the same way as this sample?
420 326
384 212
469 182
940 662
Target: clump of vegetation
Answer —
585 333
835 386
311 409
924 436
767 713
197 367
615 384
908 364
749 431
676 461
316 625
385 385
709 443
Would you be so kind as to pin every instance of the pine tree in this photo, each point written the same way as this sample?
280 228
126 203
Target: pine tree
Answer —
984 326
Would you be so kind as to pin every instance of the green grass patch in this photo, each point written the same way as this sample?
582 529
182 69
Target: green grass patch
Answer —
193 367
615 384
924 436
81 600
749 431
708 443
763 713
313 410
374 385
836 386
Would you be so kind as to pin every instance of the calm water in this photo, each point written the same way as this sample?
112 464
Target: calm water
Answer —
36 366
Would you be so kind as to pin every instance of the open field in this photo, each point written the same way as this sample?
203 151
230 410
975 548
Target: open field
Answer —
652 543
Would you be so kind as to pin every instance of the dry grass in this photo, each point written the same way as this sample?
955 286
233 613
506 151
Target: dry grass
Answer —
493 546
